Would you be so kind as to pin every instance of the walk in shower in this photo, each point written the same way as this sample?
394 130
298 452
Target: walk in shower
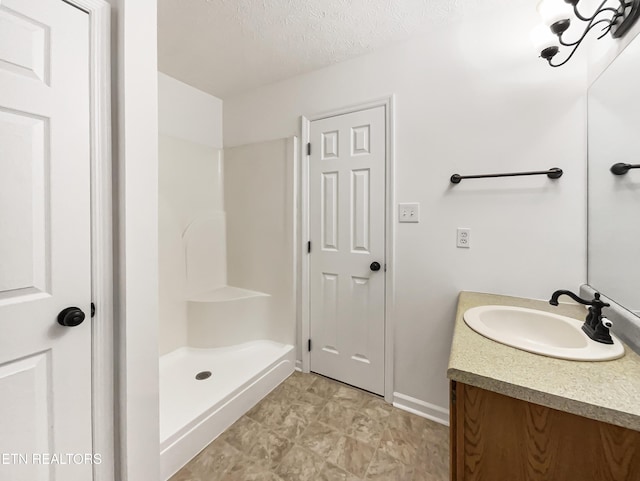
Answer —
227 301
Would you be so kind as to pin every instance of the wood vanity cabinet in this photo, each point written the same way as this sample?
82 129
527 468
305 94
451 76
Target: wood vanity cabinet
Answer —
499 438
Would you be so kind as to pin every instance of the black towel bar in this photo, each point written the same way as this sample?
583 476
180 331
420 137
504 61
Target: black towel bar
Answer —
553 173
621 169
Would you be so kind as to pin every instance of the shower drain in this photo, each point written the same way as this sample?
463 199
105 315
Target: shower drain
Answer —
201 376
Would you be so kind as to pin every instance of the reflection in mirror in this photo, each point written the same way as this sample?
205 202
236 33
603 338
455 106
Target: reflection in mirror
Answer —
614 200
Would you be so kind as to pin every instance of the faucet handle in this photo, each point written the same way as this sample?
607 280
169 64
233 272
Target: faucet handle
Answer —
597 302
600 331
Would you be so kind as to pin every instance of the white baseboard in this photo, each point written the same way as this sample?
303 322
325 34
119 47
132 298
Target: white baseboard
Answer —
298 365
421 408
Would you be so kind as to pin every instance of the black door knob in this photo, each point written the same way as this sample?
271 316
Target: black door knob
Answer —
71 317
375 266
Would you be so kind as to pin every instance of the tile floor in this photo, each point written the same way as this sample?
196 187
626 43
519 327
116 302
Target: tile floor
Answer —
311 428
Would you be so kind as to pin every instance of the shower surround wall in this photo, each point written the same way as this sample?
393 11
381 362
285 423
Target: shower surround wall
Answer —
260 236
188 176
190 188
257 301
226 272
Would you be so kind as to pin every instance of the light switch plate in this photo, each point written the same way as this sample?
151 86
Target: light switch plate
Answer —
409 212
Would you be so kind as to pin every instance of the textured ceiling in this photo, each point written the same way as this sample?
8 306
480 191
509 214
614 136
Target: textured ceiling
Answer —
228 46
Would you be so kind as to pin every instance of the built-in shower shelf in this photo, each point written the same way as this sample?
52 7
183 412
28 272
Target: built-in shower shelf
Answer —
226 293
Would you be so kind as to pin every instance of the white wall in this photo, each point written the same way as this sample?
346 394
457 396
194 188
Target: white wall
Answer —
190 187
470 99
135 152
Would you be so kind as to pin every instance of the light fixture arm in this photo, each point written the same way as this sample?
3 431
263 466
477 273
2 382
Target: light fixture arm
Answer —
598 11
586 32
576 44
618 21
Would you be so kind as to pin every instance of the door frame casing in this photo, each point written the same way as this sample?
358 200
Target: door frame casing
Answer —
388 102
102 325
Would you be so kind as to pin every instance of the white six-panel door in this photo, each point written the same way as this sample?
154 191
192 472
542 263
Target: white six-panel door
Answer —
45 368
347 231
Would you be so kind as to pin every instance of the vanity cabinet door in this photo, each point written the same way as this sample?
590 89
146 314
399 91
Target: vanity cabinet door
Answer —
495 437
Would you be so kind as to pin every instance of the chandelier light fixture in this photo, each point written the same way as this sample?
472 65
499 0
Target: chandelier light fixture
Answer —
615 16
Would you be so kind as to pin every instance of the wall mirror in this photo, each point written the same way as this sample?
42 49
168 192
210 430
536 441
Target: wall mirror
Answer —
614 200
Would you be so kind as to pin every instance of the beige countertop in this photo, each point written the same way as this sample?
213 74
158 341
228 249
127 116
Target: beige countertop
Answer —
607 391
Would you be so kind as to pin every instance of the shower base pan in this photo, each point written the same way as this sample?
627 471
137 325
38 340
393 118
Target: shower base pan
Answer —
204 391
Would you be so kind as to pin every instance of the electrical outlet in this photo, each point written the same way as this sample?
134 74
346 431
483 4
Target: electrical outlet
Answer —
463 238
409 212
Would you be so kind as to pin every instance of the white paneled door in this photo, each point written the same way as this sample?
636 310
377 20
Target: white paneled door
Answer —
347 231
45 250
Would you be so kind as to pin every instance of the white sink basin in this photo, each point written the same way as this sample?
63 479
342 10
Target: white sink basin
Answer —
540 332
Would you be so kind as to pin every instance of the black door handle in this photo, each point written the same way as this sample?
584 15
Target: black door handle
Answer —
375 266
71 317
